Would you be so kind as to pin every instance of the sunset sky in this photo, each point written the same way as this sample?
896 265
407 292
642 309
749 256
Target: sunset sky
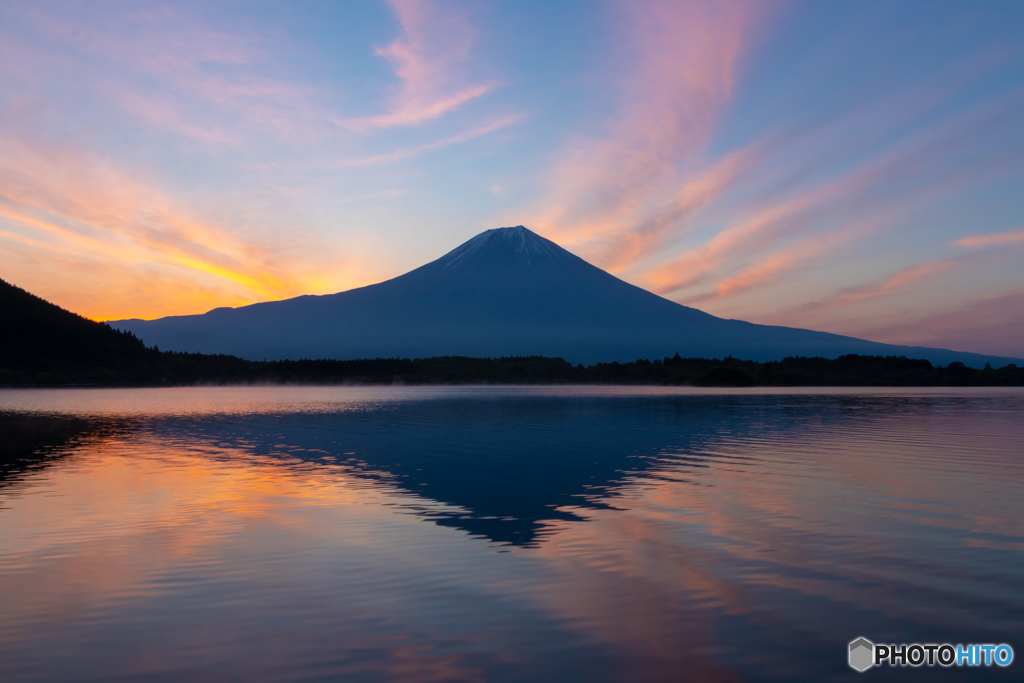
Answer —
852 167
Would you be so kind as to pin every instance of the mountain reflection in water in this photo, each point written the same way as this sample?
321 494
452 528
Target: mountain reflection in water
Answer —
502 534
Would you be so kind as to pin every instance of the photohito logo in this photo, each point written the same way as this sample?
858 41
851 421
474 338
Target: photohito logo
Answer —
863 654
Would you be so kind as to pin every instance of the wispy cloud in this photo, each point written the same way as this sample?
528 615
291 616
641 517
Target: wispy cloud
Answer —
866 200
433 43
781 204
991 239
415 150
169 68
201 155
893 283
621 194
194 90
993 323
72 206
696 191
769 268
870 298
748 237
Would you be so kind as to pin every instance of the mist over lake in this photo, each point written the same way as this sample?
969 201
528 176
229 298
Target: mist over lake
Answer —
504 534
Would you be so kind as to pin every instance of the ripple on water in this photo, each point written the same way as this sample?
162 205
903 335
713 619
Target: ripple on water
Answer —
438 533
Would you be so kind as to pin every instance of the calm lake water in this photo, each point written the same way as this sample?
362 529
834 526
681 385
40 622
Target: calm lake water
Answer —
504 534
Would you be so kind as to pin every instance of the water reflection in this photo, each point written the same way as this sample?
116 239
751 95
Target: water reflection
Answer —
503 535
501 469
30 440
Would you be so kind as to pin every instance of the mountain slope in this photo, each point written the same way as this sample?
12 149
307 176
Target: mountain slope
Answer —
37 337
505 292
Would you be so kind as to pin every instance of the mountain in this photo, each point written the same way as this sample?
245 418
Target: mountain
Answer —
42 341
505 292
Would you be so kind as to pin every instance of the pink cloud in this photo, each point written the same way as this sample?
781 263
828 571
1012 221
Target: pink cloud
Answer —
748 237
623 199
425 57
858 203
992 324
989 240
166 39
696 192
893 283
170 68
770 267
626 190
897 283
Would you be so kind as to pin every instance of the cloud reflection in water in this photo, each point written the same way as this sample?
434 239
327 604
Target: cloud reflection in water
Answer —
504 534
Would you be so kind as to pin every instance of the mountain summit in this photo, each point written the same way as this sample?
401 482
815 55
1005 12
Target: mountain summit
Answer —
505 292
508 248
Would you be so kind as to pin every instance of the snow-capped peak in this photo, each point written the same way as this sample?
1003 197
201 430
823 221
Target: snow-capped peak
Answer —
506 246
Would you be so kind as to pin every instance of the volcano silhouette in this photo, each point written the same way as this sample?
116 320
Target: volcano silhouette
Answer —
505 292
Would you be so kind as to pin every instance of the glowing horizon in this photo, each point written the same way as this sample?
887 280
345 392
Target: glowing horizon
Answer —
844 168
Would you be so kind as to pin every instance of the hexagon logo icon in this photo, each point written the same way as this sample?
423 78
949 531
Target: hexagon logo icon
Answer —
862 654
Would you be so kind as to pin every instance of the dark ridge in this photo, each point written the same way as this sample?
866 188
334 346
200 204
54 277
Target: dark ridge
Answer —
45 344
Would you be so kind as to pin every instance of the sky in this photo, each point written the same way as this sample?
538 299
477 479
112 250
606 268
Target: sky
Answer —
851 167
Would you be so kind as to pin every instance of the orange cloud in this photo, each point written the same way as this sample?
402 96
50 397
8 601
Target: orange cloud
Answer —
989 240
66 207
432 44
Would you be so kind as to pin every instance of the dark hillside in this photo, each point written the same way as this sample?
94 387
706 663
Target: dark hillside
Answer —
42 343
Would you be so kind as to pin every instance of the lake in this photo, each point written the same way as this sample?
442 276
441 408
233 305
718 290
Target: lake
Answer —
504 534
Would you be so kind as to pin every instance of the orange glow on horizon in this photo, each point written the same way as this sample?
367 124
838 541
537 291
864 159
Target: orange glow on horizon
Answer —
111 233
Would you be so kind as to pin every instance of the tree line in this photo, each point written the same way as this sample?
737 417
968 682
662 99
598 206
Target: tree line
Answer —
157 368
